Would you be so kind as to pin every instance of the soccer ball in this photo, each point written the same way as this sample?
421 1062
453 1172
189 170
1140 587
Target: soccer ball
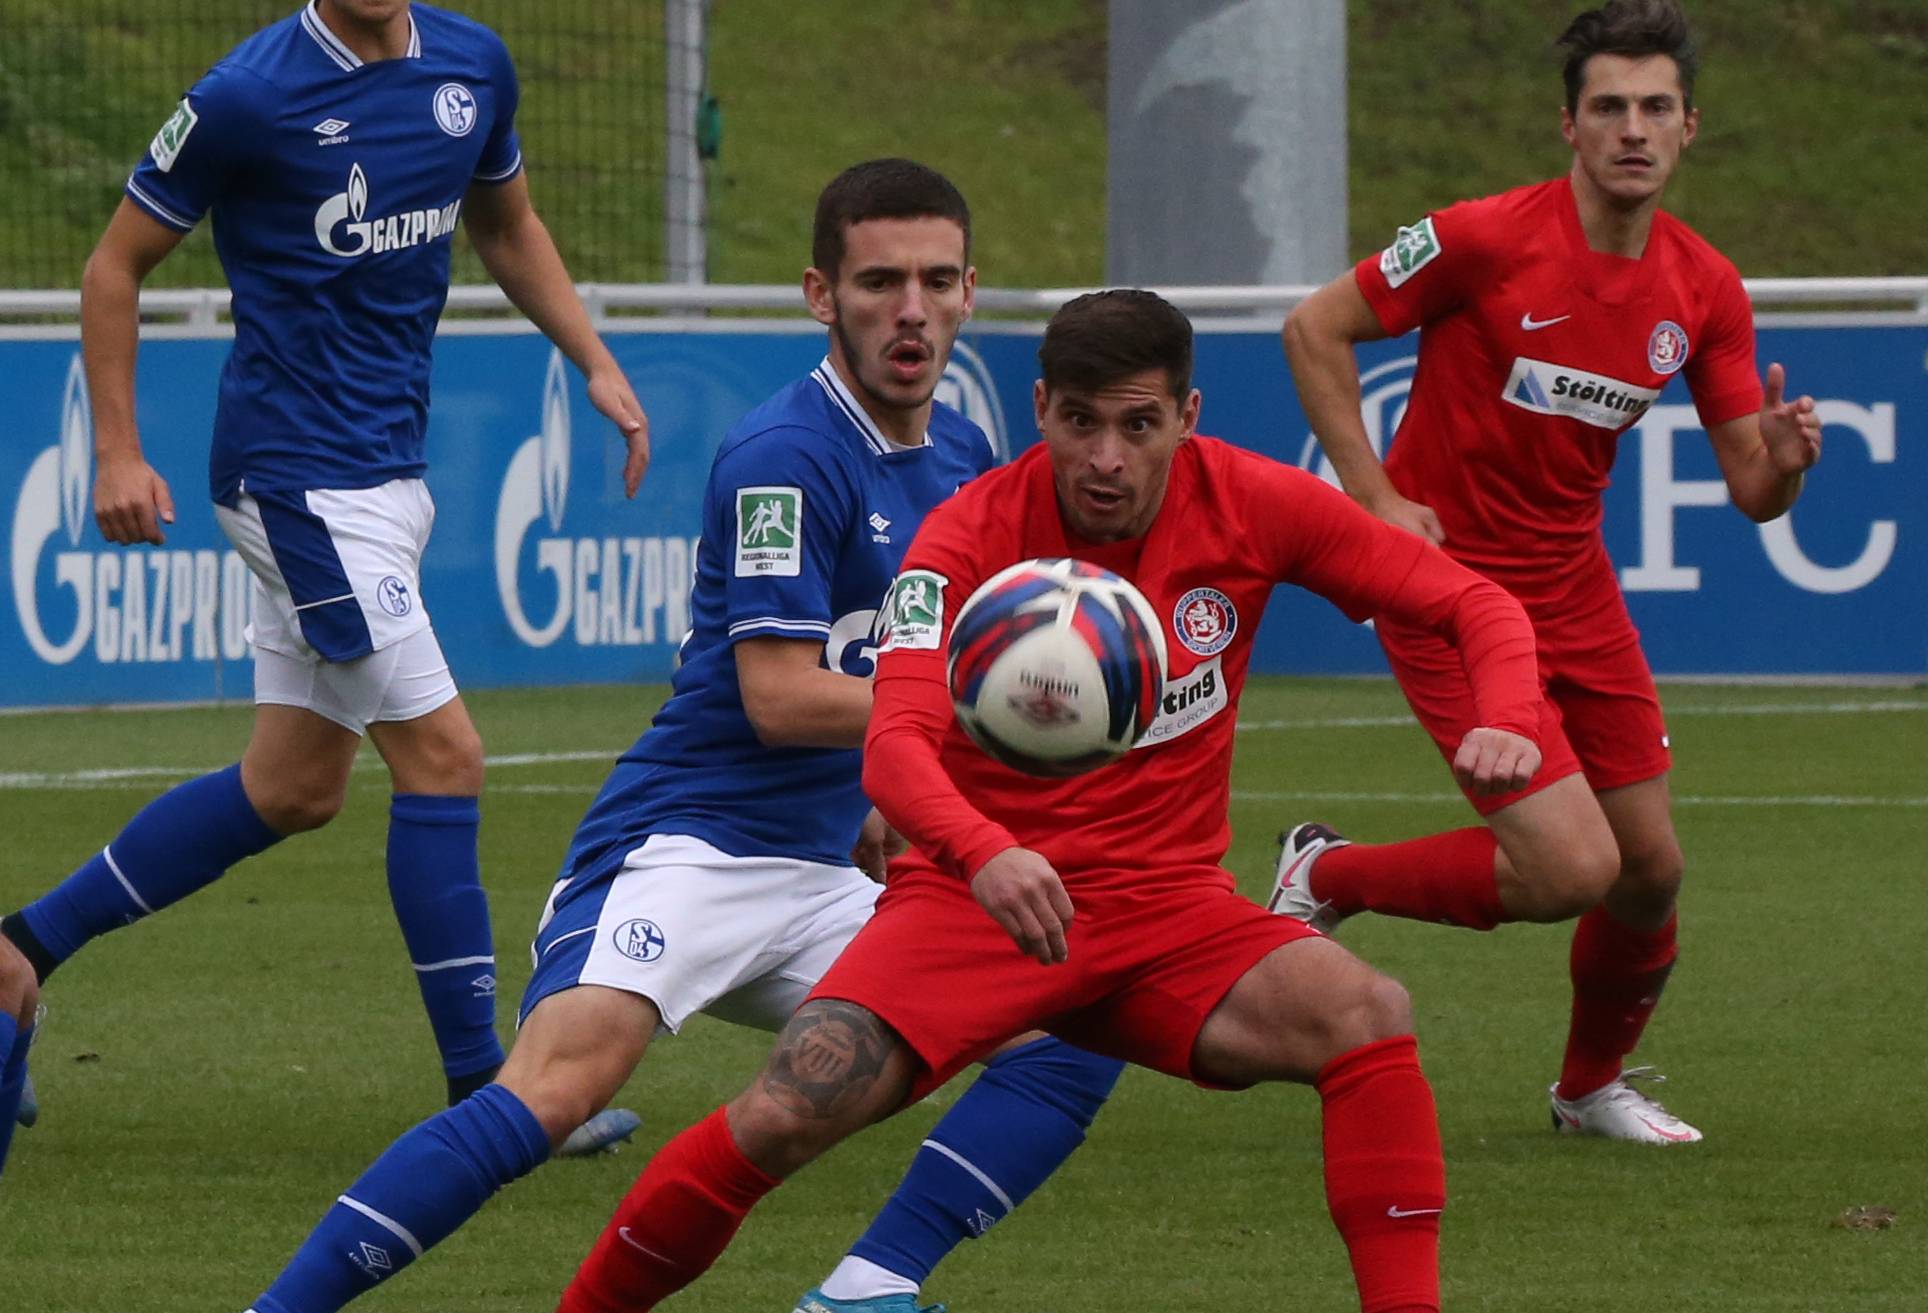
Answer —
1056 667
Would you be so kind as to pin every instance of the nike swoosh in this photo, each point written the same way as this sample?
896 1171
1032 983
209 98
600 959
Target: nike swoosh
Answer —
622 1234
1394 1210
1529 323
1678 1137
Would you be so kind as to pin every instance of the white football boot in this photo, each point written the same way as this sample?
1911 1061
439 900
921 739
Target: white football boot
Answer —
1299 848
1617 1111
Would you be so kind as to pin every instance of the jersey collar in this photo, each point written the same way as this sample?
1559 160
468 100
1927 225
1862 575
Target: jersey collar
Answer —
332 45
833 385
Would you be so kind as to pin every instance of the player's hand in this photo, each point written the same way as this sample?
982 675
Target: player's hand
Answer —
610 393
1791 429
1024 895
877 843
131 501
1408 515
1495 761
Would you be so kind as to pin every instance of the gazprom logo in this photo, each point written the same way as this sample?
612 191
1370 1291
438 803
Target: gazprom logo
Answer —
615 590
967 387
555 442
76 452
136 606
347 210
1383 393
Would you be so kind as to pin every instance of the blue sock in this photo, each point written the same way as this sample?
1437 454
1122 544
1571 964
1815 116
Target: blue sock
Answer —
415 1195
180 842
435 883
1012 1129
14 1041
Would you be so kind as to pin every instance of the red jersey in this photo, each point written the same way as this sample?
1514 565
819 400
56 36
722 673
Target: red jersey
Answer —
1535 353
1232 525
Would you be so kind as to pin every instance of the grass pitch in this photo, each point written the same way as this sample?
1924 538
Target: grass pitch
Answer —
211 1079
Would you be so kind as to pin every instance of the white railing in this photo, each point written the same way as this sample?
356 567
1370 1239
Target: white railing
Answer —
204 309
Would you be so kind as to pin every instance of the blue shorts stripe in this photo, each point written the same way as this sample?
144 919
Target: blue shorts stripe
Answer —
325 605
562 947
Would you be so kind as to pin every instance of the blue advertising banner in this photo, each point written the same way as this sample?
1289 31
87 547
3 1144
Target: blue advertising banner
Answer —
541 573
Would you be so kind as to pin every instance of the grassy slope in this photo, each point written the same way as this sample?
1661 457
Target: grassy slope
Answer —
1813 114
212 1078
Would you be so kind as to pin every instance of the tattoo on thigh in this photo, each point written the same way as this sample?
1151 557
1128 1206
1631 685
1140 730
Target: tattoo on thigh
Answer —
828 1058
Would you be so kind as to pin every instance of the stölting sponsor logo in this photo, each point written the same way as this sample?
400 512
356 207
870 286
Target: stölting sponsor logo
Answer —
143 605
608 590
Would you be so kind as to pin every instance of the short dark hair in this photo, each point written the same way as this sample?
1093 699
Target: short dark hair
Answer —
1634 28
882 189
1101 337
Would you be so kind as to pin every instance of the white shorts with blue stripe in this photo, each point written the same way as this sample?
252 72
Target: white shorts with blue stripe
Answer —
339 627
693 929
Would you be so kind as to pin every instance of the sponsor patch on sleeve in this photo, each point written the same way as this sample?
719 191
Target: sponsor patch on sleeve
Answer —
913 618
769 531
1412 249
167 143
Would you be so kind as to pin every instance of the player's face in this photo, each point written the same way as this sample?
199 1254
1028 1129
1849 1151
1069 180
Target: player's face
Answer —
1631 126
1111 451
900 296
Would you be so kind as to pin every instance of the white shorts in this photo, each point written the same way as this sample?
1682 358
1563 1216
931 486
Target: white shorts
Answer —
693 929
339 626
337 574
404 681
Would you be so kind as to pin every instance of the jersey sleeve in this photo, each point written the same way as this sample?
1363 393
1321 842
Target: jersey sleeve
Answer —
502 152
1429 270
1722 373
1319 539
904 776
204 142
781 506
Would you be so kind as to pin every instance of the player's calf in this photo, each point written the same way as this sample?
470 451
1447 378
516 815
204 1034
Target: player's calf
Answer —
574 1052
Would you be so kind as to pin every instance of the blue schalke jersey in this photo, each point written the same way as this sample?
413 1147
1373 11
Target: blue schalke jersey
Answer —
335 187
805 520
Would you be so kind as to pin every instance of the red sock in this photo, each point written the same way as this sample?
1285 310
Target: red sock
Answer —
674 1222
1384 1174
1618 973
1443 877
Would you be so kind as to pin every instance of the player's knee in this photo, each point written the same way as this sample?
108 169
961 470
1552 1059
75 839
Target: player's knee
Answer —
780 1139
1375 1007
19 991
1650 877
445 761
1574 879
1385 1010
294 806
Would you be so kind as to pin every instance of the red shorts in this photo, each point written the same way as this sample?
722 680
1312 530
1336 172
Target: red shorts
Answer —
1599 710
1152 953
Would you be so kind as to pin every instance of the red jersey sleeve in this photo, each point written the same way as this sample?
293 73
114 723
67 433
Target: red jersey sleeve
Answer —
1431 269
903 774
1722 373
1319 539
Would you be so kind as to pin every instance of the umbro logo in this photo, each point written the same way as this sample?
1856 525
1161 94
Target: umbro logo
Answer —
877 526
332 131
1530 324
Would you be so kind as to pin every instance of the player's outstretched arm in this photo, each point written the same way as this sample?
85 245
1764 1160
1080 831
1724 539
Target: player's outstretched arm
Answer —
1319 337
131 501
1765 458
519 254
